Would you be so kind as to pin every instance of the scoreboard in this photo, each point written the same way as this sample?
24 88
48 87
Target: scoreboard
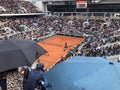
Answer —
81 4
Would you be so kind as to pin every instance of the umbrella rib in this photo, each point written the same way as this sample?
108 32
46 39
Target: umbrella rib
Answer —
22 52
26 57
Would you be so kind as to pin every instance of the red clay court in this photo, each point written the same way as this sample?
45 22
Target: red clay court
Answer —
55 47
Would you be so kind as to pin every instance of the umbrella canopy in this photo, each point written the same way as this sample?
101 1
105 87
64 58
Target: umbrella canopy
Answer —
15 53
84 73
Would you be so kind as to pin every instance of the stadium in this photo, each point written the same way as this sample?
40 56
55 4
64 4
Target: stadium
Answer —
72 44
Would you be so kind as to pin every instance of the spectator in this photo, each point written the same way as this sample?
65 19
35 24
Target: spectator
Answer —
35 77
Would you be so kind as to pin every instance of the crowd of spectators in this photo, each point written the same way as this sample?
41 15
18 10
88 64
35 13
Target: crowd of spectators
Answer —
13 80
99 32
16 7
101 36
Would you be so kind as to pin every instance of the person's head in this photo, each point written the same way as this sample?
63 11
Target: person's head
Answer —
40 66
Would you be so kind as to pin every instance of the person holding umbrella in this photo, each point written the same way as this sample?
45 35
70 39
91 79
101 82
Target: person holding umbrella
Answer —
35 78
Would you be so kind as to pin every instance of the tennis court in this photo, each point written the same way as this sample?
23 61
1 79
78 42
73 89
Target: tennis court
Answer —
57 47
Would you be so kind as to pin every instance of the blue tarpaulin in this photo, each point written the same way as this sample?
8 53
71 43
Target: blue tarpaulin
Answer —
84 73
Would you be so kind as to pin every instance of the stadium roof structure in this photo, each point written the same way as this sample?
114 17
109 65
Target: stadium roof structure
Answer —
56 0
23 14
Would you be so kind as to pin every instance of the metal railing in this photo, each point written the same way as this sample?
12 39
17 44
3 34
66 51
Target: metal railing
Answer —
104 14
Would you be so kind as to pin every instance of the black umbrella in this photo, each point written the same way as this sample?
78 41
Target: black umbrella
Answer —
15 53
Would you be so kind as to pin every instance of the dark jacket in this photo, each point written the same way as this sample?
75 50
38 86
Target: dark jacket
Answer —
35 76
